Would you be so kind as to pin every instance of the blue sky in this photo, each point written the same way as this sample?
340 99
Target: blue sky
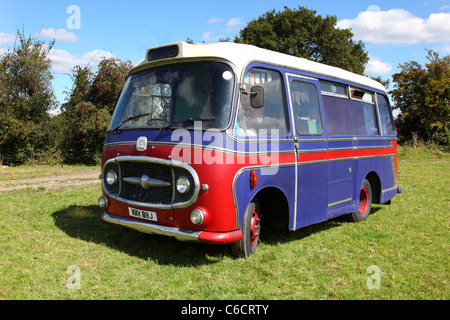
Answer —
394 31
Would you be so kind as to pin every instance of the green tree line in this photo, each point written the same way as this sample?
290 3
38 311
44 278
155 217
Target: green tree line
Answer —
28 134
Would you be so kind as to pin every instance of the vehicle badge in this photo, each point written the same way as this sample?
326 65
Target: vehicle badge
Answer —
141 144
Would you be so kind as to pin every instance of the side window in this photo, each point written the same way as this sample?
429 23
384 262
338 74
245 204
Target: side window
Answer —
334 89
305 103
271 119
387 123
355 116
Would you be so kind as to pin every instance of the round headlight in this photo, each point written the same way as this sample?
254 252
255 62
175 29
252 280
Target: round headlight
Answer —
197 216
183 184
111 177
102 202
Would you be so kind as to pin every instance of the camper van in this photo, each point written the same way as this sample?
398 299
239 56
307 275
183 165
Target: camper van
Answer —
212 142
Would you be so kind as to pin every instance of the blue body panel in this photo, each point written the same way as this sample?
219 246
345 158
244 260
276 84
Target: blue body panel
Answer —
326 188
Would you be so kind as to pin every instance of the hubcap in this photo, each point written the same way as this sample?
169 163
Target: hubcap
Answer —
254 227
363 201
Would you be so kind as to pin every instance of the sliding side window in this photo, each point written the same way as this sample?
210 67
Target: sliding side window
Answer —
354 116
305 103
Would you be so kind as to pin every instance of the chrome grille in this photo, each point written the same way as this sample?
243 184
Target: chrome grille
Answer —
162 175
156 195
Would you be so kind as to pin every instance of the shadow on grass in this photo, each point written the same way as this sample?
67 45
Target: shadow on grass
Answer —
84 223
274 235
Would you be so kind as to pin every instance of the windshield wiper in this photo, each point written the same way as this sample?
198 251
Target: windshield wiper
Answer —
186 121
129 119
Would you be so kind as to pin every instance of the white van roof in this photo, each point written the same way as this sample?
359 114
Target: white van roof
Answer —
242 54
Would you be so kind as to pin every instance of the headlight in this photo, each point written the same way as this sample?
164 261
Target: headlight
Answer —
183 184
102 202
197 216
111 177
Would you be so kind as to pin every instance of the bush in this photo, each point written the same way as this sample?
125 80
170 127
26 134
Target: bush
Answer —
417 149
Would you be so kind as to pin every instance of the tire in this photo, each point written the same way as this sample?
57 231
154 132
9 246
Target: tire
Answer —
250 228
365 203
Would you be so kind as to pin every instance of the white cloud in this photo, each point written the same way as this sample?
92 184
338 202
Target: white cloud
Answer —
234 24
215 20
7 38
211 37
4 39
446 48
207 36
398 26
376 67
59 35
63 61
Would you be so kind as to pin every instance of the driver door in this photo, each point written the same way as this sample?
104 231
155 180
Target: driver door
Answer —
311 179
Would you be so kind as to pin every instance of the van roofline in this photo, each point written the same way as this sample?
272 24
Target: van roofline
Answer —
240 55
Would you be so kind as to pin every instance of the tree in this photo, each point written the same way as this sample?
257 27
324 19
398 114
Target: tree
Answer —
384 82
422 94
108 83
82 78
26 96
89 108
304 34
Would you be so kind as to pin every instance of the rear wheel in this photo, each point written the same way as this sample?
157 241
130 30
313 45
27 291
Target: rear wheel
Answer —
251 226
365 203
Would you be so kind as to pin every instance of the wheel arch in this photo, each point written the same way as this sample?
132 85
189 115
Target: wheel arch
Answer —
274 207
375 184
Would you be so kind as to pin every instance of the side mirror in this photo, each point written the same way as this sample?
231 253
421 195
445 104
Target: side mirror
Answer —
257 97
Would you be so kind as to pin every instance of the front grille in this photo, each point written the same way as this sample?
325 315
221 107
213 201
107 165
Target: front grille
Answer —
155 195
163 173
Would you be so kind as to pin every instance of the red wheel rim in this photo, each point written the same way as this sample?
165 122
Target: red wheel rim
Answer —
254 228
363 201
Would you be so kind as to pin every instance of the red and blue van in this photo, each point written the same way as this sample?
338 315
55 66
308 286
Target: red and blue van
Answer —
211 142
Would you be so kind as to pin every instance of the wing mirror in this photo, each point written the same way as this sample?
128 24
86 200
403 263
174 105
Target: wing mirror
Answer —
256 96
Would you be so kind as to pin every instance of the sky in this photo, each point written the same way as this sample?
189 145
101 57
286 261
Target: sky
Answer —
394 31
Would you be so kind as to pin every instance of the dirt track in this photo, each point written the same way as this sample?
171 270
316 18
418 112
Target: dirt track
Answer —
78 178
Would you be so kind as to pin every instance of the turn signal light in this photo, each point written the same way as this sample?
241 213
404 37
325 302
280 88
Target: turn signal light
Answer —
253 179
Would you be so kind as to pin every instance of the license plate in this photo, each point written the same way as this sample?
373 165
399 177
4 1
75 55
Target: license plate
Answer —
147 215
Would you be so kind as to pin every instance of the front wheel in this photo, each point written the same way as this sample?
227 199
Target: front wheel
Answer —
251 227
365 203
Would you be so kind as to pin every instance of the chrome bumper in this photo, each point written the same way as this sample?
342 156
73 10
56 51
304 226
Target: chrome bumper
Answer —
145 227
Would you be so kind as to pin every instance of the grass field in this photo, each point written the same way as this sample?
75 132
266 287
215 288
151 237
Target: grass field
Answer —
54 246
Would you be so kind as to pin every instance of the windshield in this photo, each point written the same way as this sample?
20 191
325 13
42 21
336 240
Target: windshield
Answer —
176 96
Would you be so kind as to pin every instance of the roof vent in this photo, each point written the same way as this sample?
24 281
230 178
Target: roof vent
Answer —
163 52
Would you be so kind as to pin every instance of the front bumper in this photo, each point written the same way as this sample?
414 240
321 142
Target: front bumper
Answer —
180 234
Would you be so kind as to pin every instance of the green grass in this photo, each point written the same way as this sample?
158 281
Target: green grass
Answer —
44 232
28 172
